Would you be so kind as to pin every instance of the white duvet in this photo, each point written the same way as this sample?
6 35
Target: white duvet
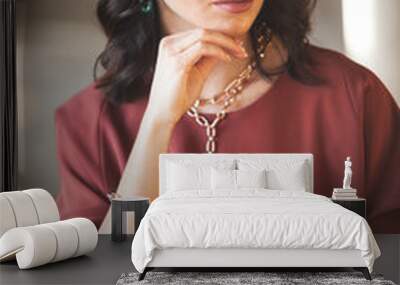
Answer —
250 219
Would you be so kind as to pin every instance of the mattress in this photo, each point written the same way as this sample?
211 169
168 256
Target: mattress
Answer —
250 219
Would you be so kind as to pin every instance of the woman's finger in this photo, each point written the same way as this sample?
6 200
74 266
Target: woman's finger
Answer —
178 44
196 52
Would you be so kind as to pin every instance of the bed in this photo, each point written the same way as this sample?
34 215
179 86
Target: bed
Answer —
247 211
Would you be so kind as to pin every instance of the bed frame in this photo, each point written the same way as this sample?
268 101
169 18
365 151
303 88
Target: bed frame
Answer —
237 259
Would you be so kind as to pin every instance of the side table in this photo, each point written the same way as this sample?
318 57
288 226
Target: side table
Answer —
358 206
119 207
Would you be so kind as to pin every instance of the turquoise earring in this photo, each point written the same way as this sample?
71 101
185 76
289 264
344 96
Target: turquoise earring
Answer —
146 6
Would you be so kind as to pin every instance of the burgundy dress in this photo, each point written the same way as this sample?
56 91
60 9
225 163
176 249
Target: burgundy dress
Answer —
353 114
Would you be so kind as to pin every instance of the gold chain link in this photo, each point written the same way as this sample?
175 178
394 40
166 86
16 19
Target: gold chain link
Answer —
231 92
228 97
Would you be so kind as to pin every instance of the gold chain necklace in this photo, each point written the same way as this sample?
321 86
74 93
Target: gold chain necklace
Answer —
228 97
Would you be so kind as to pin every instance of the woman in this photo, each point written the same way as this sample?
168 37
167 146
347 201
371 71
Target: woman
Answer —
167 64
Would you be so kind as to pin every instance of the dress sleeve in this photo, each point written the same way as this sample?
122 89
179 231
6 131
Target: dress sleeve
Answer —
82 192
382 157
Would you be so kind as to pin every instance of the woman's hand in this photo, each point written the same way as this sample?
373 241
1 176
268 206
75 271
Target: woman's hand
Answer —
184 62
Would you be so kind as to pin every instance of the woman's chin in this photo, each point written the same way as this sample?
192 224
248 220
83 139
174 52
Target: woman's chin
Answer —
235 33
237 29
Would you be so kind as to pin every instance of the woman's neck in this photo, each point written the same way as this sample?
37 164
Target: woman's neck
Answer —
222 73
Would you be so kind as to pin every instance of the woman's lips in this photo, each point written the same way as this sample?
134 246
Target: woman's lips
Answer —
233 6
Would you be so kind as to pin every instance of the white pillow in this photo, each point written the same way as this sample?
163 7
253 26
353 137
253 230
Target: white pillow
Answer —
236 179
288 179
251 178
281 174
223 179
181 178
185 175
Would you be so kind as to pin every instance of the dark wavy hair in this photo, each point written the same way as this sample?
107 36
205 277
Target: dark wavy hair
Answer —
133 38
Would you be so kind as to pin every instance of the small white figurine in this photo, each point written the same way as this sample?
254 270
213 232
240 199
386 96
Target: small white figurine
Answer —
347 174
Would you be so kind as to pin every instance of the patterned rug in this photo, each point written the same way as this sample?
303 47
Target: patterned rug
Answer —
244 278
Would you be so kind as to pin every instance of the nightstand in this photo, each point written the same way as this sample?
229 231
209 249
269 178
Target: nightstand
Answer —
119 207
358 206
